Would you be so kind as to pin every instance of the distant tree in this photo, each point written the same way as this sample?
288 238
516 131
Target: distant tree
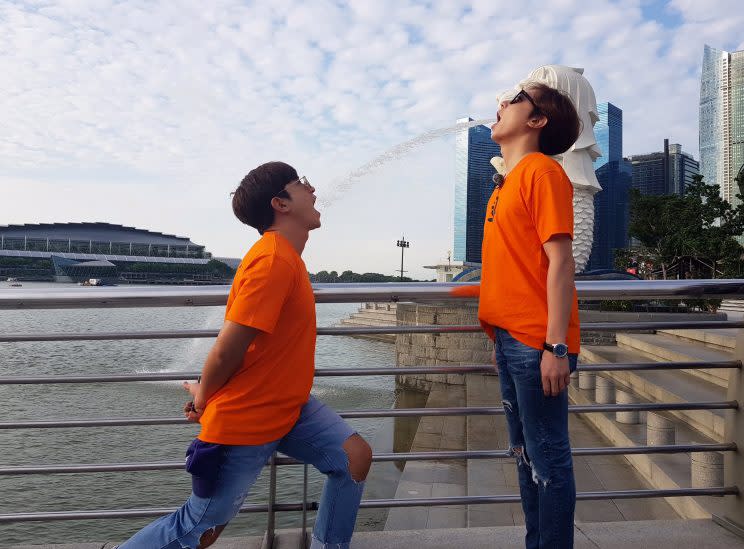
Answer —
324 277
690 235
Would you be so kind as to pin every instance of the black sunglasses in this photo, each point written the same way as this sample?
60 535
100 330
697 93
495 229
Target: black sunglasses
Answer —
302 181
524 95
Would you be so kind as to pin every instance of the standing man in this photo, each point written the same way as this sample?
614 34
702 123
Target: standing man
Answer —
254 395
528 304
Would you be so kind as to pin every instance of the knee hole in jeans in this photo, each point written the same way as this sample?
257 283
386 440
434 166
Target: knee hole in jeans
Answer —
524 461
359 456
210 536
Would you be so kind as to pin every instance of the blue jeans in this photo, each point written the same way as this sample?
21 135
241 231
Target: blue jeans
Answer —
538 438
316 438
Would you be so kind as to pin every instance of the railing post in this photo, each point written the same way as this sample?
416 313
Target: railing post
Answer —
270 524
304 508
733 516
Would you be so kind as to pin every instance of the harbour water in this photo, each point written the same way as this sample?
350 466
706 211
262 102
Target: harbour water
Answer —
167 489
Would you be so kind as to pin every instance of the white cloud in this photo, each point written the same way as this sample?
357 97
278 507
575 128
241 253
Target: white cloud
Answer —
149 113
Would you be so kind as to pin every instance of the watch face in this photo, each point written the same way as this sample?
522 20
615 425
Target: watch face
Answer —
560 349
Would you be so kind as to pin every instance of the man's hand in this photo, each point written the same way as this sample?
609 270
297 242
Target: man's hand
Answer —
193 409
555 374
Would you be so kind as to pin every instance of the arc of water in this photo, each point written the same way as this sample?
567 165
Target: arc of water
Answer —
343 184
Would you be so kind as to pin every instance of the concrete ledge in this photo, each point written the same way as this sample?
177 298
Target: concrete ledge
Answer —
663 347
724 339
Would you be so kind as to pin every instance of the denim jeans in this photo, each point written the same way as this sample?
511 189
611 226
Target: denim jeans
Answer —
316 438
538 438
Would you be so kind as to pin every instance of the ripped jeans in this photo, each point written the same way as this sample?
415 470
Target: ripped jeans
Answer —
538 435
317 438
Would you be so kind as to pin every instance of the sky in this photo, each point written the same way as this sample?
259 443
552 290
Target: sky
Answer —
149 114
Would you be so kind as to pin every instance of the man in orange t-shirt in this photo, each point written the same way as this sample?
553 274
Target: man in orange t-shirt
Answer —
528 302
253 397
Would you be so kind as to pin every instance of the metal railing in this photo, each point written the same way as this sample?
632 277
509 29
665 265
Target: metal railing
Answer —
345 293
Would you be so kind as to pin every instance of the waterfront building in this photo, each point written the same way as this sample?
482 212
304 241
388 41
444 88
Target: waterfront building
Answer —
75 252
611 204
722 119
473 187
666 172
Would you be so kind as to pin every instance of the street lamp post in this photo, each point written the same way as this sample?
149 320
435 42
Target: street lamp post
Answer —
402 244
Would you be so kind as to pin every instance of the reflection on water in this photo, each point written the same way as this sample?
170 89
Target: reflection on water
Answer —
167 489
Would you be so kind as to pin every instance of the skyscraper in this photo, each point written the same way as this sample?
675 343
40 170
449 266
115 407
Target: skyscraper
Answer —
665 172
473 187
722 119
615 176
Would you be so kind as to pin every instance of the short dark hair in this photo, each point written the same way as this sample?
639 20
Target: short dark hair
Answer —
251 201
563 127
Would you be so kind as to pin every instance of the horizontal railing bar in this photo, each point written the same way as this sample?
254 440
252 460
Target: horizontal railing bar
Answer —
175 376
109 514
661 325
585 326
629 366
357 372
591 451
107 336
382 371
362 330
392 330
179 296
386 412
515 498
582 408
381 457
374 503
91 468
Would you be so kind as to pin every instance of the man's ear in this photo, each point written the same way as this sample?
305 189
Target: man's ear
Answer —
538 121
279 204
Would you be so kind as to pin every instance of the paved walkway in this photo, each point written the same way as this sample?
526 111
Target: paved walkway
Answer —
675 534
499 476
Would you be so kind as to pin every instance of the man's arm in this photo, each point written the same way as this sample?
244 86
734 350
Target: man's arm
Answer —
469 290
224 359
561 266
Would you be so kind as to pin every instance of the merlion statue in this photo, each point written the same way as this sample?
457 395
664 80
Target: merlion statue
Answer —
578 160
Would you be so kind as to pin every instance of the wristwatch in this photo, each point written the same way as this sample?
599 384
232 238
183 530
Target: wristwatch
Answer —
560 350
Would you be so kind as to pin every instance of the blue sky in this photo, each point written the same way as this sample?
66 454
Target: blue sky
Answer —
150 113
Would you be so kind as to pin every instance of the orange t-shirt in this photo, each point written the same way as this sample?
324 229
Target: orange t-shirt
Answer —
261 402
534 204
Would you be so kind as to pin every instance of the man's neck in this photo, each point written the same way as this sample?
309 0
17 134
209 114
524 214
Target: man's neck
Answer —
297 237
516 150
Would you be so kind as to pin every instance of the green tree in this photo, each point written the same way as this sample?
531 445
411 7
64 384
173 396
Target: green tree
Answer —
694 234
657 222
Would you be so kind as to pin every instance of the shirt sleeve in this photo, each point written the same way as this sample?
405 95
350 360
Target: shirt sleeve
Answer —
551 205
466 291
264 287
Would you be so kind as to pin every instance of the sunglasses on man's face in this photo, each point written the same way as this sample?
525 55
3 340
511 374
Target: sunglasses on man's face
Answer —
302 181
521 96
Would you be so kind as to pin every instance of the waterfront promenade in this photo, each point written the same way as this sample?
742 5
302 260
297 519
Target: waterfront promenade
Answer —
619 505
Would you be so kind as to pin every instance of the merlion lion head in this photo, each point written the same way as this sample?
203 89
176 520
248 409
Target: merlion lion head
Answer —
571 81
578 160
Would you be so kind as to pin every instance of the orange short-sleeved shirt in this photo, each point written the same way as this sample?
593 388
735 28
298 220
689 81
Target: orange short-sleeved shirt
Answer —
261 402
534 204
